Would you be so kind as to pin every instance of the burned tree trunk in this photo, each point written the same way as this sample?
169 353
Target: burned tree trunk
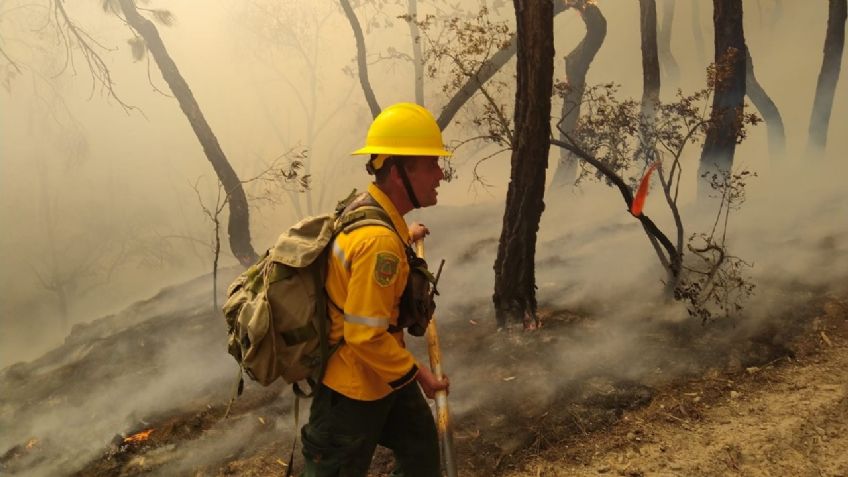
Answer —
728 99
834 43
763 103
577 64
650 58
239 221
361 61
515 281
670 67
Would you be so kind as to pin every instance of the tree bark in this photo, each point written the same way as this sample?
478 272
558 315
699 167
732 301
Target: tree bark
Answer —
669 63
834 43
650 58
764 104
728 99
577 64
239 220
361 61
486 71
515 281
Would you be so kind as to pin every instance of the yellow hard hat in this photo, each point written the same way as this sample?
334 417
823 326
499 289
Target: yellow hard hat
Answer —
403 129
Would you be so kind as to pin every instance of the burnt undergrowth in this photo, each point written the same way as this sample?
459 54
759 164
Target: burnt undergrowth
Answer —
76 410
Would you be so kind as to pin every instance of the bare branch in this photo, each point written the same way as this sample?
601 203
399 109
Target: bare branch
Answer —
97 67
361 58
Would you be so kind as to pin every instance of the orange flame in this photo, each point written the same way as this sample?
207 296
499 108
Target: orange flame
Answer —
642 193
139 436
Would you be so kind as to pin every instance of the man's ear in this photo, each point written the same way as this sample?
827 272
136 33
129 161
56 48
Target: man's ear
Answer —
394 175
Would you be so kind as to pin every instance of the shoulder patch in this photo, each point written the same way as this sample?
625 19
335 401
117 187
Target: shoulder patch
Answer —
386 268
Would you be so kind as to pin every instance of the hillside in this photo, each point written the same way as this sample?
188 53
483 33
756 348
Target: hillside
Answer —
771 395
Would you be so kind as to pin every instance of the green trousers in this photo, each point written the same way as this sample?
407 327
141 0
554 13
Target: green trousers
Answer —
342 434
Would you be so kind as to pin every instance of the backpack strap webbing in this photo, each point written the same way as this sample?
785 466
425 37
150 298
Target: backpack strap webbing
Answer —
365 215
319 275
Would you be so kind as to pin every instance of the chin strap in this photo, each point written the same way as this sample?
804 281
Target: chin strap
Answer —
403 177
407 185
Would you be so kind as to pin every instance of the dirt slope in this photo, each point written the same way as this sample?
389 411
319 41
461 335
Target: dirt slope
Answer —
786 418
573 398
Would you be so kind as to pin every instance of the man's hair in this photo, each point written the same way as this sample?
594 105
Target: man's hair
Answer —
381 174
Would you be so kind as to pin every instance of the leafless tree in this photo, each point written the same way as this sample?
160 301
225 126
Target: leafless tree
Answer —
239 218
650 58
577 64
764 104
361 58
834 43
728 100
667 60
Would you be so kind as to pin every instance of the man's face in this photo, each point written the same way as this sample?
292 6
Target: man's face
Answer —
424 175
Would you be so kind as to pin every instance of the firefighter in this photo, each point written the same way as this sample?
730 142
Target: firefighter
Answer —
372 388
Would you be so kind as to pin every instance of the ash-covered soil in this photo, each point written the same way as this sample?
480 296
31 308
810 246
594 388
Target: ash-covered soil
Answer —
785 417
144 393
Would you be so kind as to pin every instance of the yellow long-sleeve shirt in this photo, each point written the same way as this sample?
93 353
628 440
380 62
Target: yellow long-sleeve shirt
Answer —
366 276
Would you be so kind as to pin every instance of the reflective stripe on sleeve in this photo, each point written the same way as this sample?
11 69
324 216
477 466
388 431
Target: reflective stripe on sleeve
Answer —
339 253
367 321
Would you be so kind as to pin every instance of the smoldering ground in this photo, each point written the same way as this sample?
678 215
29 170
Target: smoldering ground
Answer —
593 257
165 356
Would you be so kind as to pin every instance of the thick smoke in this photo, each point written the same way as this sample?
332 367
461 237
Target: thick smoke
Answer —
591 255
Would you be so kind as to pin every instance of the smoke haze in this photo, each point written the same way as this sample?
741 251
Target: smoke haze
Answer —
104 199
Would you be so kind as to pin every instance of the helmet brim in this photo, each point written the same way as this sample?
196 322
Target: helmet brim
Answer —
402 151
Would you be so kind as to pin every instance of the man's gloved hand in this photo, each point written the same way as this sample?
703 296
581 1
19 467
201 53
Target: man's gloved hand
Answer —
429 383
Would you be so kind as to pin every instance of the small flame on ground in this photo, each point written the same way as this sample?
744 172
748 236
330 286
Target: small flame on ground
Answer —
31 443
139 436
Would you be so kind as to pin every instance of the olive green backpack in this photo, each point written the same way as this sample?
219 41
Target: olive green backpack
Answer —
276 311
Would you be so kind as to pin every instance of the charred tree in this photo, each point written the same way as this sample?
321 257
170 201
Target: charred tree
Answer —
361 60
650 58
483 74
728 101
650 103
669 63
515 281
764 104
239 220
834 43
577 64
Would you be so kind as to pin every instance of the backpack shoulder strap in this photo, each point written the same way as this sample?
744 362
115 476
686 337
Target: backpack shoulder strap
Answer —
365 215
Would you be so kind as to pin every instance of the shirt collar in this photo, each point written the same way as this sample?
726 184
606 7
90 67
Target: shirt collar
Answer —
386 204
